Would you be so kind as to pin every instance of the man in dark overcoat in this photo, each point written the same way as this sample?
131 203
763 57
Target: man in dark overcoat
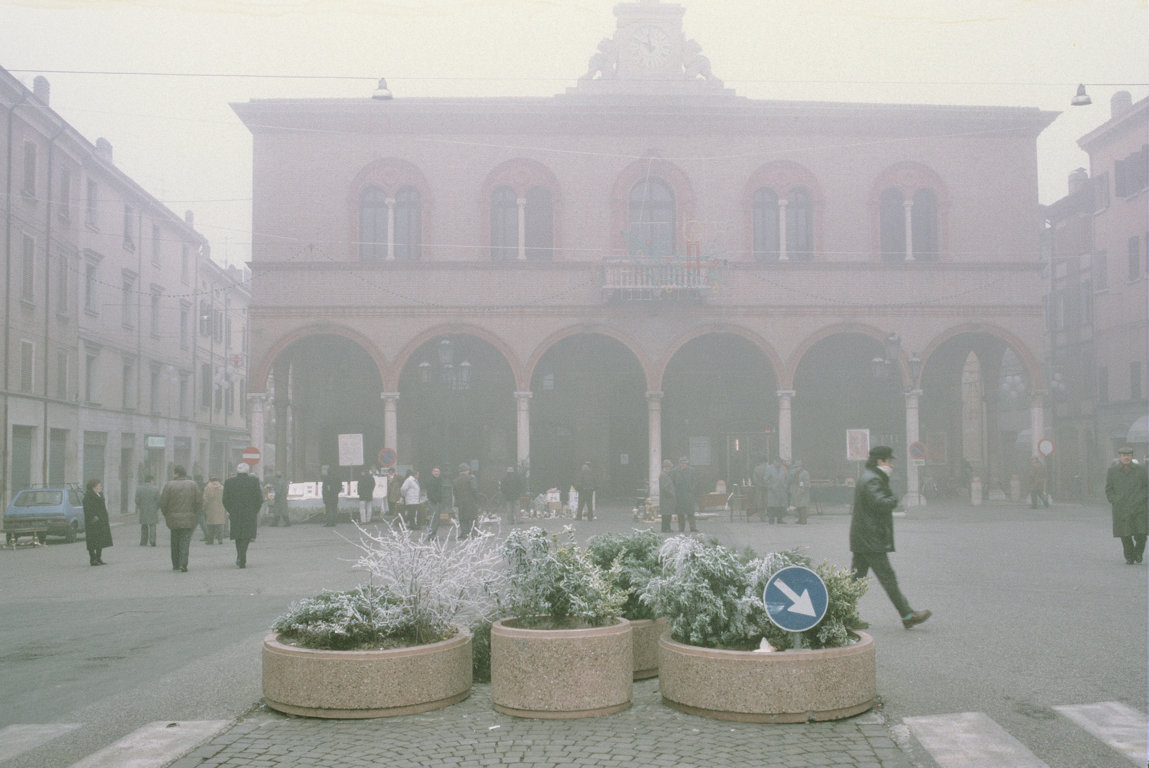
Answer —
466 490
872 532
685 495
1127 488
329 490
242 499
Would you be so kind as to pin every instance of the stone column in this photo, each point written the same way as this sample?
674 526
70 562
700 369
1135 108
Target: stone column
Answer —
523 429
782 202
654 441
255 401
1036 421
913 496
390 202
909 207
522 201
390 422
785 439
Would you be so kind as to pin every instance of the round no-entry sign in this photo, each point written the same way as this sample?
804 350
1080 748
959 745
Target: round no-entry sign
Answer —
796 598
251 456
1045 446
387 457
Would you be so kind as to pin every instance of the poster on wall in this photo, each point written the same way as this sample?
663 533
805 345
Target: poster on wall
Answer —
700 451
351 450
857 444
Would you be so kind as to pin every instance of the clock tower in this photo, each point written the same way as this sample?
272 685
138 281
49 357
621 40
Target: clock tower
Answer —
648 54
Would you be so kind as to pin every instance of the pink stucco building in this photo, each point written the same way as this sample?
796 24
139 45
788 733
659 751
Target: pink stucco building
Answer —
643 267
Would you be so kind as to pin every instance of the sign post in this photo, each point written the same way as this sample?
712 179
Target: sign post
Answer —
796 599
250 455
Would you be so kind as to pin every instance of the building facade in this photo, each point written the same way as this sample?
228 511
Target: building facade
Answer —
646 266
1098 313
105 290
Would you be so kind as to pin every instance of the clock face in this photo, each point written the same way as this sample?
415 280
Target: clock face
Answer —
650 46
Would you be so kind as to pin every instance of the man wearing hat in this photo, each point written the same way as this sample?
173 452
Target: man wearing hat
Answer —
872 532
466 490
242 500
1127 488
666 495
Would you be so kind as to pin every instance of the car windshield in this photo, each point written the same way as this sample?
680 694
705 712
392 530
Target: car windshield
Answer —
39 499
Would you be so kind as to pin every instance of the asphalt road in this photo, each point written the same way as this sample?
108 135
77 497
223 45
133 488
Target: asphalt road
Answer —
1032 609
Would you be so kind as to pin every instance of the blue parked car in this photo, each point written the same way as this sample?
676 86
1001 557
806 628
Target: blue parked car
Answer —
44 512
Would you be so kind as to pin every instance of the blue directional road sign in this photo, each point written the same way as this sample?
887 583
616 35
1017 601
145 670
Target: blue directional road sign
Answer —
796 598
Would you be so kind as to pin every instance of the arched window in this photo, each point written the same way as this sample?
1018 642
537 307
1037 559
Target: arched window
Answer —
539 224
766 241
408 218
893 224
652 218
373 224
799 225
924 224
504 224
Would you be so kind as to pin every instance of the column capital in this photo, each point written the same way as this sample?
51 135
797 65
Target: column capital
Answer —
389 396
785 393
914 393
654 396
524 395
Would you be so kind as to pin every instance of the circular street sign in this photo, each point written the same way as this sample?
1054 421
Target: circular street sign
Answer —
1045 446
250 455
796 598
917 450
388 457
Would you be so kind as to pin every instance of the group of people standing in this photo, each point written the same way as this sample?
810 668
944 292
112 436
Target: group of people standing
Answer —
779 489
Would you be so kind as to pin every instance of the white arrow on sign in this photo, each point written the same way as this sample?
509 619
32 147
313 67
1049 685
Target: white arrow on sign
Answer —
802 605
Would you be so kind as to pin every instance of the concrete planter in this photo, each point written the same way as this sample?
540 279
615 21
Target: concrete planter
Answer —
561 673
361 684
645 634
779 687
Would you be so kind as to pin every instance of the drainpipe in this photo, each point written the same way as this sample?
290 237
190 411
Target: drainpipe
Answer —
47 305
5 455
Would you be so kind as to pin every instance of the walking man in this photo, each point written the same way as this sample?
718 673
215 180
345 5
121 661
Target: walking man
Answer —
242 500
666 494
1127 489
329 489
685 496
872 532
511 487
585 485
180 501
438 499
148 509
366 495
466 490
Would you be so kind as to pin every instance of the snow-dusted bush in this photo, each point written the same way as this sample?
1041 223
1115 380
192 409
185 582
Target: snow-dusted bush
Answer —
712 598
629 560
420 589
551 584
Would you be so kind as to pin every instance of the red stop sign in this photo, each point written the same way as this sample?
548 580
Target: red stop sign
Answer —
251 455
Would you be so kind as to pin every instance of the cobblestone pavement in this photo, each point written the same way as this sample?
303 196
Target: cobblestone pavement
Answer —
471 733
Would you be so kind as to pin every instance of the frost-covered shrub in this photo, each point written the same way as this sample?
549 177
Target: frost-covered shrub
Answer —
551 584
420 590
712 598
337 620
629 560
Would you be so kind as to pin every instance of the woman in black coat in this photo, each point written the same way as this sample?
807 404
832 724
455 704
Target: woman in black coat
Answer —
97 531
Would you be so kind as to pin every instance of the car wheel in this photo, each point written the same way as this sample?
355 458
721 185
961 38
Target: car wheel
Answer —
70 533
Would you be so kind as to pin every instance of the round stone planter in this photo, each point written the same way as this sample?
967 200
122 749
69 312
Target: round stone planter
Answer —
360 684
561 673
777 687
645 634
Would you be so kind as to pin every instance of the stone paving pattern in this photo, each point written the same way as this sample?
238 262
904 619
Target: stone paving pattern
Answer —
649 734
